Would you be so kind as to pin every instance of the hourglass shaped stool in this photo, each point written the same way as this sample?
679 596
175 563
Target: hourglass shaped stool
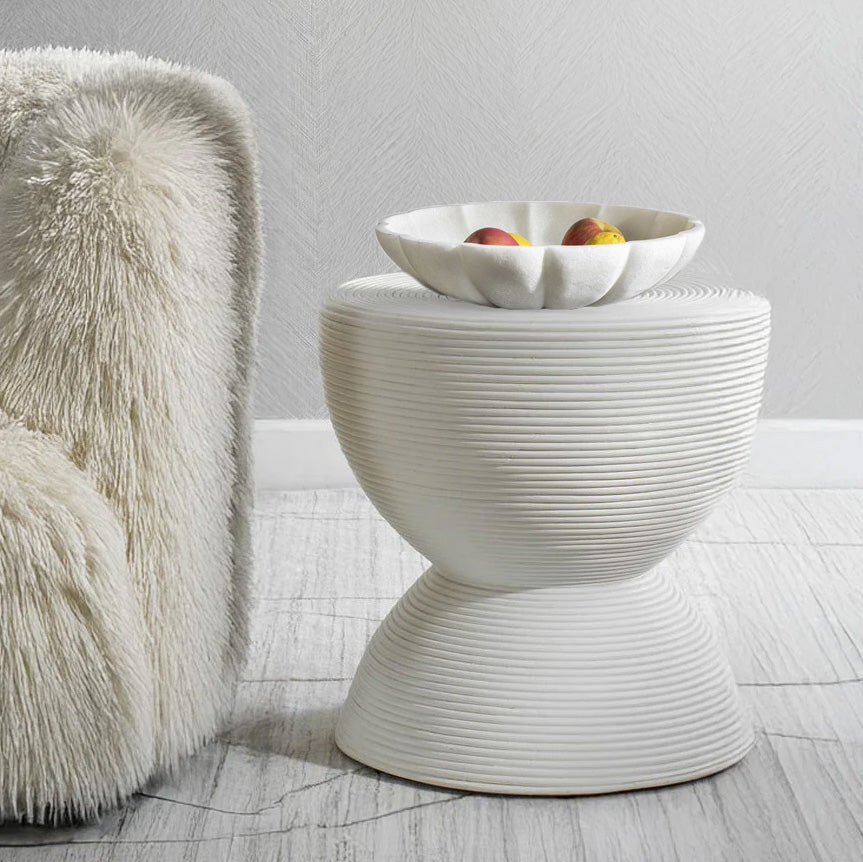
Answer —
544 461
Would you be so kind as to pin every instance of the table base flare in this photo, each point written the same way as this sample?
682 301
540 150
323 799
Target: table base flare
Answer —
588 688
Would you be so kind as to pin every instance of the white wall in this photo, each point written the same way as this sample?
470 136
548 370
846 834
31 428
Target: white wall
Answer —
746 114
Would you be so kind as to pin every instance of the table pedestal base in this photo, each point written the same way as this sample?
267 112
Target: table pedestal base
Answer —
586 688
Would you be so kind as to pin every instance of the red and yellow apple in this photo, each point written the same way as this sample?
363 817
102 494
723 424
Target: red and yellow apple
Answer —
584 231
492 236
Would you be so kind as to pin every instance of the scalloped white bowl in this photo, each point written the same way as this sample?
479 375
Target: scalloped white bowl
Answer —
428 244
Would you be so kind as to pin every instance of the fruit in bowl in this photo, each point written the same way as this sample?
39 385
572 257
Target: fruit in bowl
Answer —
586 231
496 236
592 231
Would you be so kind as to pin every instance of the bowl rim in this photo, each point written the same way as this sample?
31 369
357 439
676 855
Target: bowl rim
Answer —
383 227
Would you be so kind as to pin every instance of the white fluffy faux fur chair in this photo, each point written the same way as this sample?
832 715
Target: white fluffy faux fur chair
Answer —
129 258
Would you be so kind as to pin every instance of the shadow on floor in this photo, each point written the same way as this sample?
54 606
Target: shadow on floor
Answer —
17 835
307 734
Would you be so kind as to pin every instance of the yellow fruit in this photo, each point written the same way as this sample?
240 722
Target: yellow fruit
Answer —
605 237
520 239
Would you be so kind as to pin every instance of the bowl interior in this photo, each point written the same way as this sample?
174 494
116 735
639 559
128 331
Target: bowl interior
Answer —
541 222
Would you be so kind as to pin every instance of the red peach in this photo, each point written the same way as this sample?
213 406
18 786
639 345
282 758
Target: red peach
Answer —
492 236
584 230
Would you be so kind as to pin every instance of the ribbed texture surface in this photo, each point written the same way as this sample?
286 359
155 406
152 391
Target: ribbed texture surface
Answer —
560 690
537 447
543 461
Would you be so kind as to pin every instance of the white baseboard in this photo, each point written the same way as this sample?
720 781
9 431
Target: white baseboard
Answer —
806 453
293 454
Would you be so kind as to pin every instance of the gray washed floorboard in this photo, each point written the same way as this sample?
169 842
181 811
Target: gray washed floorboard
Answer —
778 572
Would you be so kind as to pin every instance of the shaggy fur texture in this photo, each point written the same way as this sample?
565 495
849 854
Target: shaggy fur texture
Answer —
63 574
129 249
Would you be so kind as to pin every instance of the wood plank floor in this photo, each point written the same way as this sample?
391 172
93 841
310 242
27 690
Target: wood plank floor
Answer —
781 574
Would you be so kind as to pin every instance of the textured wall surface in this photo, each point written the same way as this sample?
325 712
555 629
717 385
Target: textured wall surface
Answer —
747 115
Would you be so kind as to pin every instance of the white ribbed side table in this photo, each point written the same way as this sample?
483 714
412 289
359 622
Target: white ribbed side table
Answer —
544 461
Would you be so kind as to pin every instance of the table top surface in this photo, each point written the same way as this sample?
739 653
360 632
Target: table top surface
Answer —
682 301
